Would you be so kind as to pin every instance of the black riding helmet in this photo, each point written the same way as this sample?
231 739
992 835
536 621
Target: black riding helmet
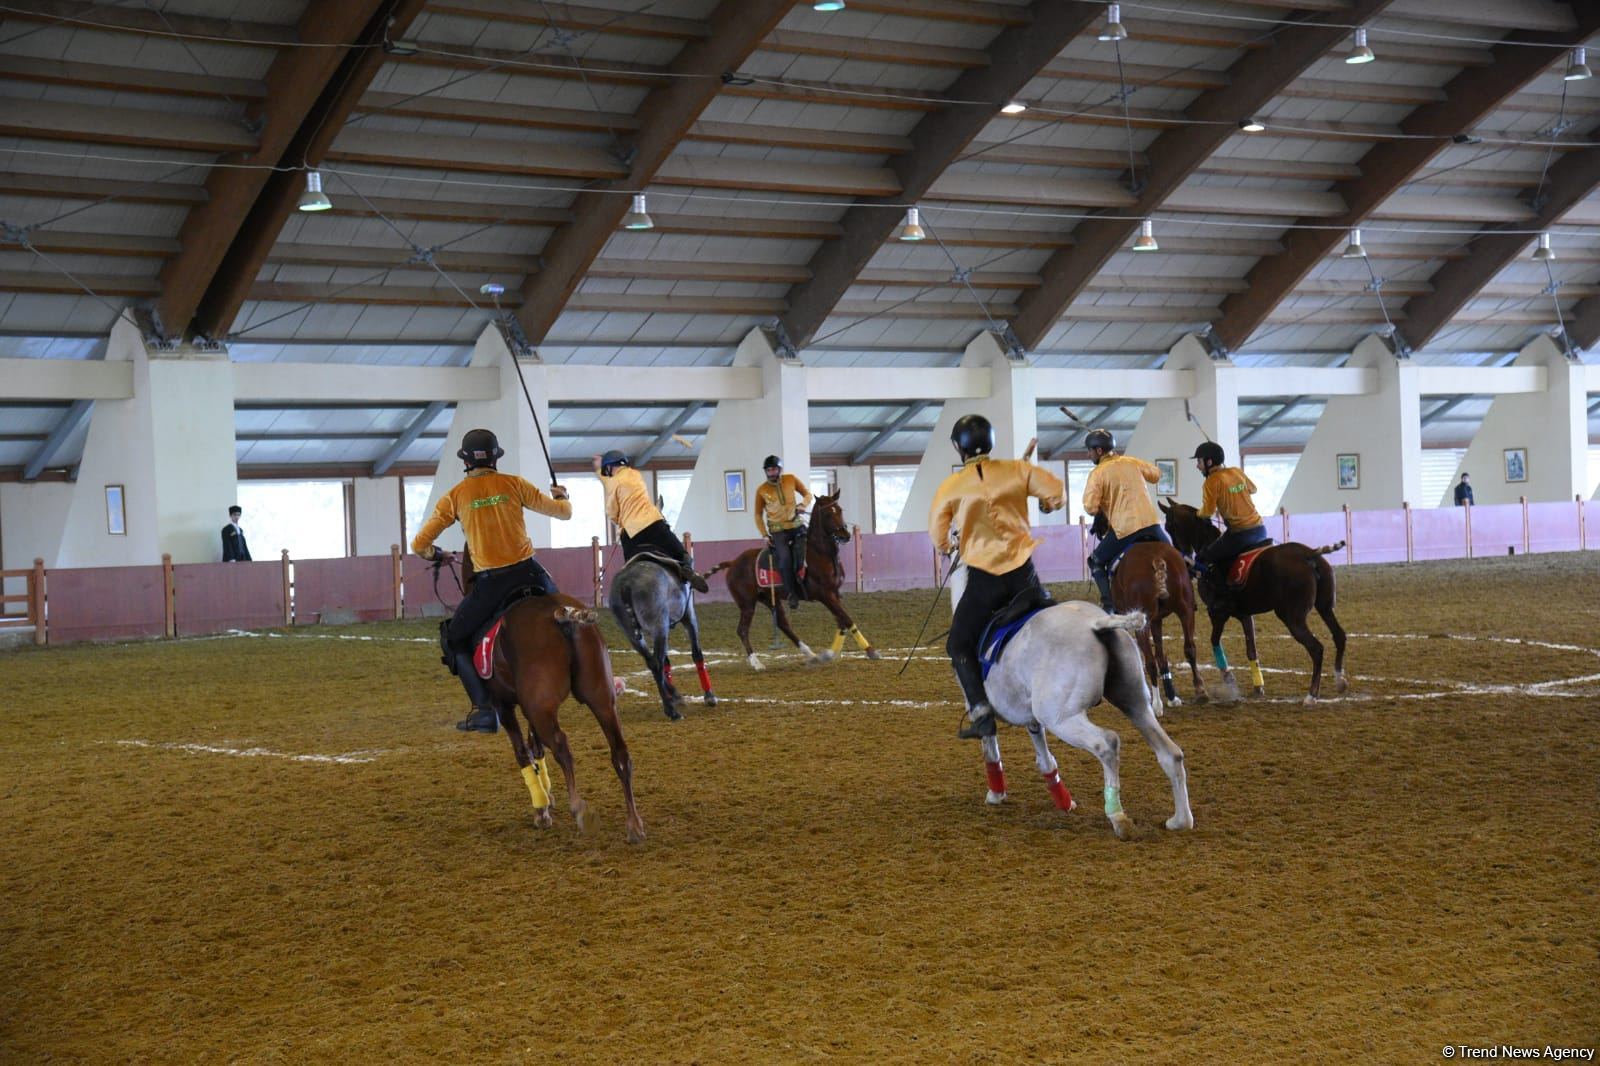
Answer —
771 461
1100 438
972 435
1211 452
480 447
612 459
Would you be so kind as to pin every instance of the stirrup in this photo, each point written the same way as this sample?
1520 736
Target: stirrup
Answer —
977 728
481 720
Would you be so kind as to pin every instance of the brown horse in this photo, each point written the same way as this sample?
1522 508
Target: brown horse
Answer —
1153 578
548 649
1287 579
824 574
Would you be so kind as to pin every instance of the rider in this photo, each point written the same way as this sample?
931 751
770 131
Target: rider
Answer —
488 504
987 501
629 506
1116 491
779 518
1227 492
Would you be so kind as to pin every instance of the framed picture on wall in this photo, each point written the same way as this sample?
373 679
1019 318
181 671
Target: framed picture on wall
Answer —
1349 471
116 513
733 489
1168 485
1516 464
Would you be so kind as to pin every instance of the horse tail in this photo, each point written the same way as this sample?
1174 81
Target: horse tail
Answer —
1131 622
1329 549
1160 569
720 567
569 618
573 622
626 596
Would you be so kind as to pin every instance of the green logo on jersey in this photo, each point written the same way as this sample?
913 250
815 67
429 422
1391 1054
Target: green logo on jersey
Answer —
489 501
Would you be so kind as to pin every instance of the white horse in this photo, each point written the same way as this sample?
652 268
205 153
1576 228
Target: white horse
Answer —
1060 664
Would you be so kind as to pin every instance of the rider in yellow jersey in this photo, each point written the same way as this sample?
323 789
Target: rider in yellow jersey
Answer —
1116 493
644 528
987 501
489 506
1227 493
779 517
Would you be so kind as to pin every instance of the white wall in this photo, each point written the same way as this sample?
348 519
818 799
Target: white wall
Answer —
32 517
376 514
1164 432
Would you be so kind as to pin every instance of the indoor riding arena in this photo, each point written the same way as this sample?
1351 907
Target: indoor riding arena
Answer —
379 379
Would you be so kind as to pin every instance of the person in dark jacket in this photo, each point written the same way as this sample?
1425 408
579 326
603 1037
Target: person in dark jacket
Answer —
1463 492
234 549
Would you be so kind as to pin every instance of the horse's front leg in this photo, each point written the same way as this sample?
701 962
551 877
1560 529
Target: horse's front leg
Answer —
1169 691
1219 619
542 717
780 617
1258 683
692 625
535 766
847 626
1048 769
994 771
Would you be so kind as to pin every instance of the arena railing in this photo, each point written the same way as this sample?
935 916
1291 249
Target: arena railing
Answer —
169 600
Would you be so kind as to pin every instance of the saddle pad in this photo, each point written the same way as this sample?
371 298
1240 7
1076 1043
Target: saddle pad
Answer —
996 637
1239 571
767 575
483 655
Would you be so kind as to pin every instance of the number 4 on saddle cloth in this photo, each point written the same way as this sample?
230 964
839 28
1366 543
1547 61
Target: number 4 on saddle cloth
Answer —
1007 623
768 577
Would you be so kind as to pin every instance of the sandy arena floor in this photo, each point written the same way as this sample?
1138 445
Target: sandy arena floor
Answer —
1369 880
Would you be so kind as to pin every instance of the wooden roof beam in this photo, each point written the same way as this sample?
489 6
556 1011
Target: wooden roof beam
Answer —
737 28
1016 57
1253 81
295 80
1470 97
150 20
335 93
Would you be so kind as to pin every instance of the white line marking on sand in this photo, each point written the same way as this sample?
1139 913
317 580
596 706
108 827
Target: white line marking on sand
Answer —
365 756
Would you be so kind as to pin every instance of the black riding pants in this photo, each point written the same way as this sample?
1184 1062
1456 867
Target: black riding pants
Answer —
1231 545
489 590
786 545
657 537
985 594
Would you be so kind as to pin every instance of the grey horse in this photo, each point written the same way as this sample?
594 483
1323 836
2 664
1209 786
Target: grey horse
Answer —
1062 662
648 600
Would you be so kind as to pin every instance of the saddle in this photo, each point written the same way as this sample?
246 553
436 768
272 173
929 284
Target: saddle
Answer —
768 577
1239 569
1007 623
483 646
666 562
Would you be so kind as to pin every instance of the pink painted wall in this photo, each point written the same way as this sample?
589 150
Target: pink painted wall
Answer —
363 585
105 603
215 597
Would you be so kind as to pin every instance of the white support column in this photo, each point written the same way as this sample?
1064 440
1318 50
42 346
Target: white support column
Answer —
741 434
508 416
1551 427
170 446
377 514
1012 406
1164 433
1383 429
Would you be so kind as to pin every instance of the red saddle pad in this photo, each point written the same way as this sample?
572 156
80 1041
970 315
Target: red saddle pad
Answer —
483 657
1239 572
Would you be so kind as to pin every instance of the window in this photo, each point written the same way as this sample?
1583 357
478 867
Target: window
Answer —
588 513
891 486
671 487
821 482
1270 474
306 517
1439 476
415 492
1077 478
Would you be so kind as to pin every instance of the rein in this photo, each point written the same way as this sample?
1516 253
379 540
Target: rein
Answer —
439 563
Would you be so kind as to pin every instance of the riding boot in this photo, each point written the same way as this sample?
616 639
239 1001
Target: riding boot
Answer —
1102 581
980 713
692 578
484 718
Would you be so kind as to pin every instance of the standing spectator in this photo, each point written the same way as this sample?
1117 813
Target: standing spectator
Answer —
234 549
1463 492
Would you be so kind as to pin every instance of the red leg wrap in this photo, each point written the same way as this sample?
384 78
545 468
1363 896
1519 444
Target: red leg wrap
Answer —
705 678
1058 791
666 672
997 777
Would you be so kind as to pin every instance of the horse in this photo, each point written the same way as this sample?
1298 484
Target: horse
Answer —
824 574
549 647
1153 579
1286 579
1062 662
648 601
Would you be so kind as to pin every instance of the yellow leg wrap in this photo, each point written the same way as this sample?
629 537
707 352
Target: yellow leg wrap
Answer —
861 642
537 777
1255 674
838 643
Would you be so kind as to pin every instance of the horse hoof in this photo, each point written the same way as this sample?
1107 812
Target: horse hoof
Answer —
1310 701
1341 684
617 686
711 699
543 818
755 663
585 820
1176 701
1201 698
1122 825
672 713
1258 690
1180 822
822 657
994 799
873 653
636 833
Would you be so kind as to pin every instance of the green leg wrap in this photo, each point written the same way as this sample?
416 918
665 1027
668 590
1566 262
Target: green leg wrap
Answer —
1220 657
1113 800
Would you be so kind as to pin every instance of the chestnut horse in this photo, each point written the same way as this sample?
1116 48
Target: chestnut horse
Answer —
1287 579
1153 578
550 648
824 574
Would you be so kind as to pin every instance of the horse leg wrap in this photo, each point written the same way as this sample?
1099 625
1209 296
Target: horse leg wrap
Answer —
1167 687
1058 791
838 643
1255 675
705 678
666 671
537 776
1220 657
861 641
1113 800
997 777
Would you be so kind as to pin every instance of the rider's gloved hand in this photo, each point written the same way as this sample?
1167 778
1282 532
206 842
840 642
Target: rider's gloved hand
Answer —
557 492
